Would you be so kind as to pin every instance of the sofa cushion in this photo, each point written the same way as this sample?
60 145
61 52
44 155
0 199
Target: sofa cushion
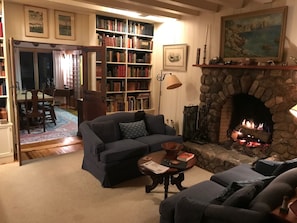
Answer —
238 173
155 124
287 165
242 197
267 167
204 191
105 130
154 141
132 130
123 149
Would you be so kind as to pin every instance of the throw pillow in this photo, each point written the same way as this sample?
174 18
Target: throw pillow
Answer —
266 167
242 197
237 185
105 130
155 124
132 130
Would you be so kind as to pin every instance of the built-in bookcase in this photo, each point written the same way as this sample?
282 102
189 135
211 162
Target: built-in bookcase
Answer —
6 148
129 48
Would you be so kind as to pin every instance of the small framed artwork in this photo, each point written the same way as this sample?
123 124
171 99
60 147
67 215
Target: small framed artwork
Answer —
258 35
175 57
65 26
36 22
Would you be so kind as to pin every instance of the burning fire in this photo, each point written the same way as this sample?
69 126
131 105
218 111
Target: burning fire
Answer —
251 125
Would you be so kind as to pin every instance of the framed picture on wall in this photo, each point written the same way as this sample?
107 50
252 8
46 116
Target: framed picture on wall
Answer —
175 57
65 25
258 35
36 22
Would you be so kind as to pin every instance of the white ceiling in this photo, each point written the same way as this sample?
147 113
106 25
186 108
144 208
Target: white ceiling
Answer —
163 8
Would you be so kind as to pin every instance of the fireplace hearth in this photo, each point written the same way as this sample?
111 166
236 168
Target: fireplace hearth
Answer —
254 94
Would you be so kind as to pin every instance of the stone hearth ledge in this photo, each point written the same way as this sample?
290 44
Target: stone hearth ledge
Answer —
215 158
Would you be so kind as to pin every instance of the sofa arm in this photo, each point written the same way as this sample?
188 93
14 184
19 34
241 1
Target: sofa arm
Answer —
92 143
169 130
190 210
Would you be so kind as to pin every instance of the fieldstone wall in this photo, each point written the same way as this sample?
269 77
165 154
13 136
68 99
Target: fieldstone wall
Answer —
275 86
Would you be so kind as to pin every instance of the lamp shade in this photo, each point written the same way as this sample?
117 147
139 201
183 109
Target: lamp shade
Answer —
293 110
172 82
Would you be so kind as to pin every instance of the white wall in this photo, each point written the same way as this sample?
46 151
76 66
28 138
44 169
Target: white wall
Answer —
191 30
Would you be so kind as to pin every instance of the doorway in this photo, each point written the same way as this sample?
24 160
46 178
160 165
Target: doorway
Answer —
36 66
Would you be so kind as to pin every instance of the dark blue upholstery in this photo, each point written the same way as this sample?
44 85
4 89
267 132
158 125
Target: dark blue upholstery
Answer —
112 159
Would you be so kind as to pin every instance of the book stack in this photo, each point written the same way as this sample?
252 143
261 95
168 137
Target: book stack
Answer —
185 156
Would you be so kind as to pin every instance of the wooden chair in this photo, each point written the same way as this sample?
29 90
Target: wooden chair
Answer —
49 107
34 114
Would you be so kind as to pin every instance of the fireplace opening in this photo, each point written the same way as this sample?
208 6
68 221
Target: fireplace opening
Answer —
251 126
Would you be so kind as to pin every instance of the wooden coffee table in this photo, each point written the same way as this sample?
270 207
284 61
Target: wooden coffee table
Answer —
166 177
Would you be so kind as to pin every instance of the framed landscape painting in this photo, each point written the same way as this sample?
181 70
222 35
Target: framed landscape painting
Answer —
175 57
65 28
256 35
36 22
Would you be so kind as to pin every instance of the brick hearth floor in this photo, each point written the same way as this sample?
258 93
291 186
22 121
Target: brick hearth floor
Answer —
215 158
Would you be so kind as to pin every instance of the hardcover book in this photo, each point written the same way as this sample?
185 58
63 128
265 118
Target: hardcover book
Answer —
185 156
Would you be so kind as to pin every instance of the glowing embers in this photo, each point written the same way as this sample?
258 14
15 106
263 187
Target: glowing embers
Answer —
248 136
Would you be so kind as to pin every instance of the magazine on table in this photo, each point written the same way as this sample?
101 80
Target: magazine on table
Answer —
155 167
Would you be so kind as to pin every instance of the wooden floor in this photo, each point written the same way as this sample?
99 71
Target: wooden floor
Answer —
50 148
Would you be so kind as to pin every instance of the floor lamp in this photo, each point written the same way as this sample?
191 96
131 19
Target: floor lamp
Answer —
172 82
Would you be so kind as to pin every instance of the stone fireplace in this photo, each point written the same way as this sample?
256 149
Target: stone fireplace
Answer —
269 91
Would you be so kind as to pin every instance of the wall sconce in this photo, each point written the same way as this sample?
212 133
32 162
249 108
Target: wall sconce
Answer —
172 82
293 110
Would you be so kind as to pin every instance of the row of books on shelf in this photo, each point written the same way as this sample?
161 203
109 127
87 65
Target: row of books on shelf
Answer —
115 103
137 57
3 88
114 41
137 85
115 56
116 71
139 72
139 102
140 28
115 85
111 24
138 43
2 69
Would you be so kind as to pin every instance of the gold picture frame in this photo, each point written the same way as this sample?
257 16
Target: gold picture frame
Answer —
65 25
175 57
36 22
258 35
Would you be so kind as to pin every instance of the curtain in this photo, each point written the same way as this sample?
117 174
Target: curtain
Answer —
67 70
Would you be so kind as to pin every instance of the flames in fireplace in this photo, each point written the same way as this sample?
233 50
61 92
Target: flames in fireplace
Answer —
251 124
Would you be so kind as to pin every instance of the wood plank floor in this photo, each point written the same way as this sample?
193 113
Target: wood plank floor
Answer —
51 147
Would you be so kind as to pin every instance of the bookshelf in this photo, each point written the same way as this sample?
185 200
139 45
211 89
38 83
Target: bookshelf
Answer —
129 48
6 150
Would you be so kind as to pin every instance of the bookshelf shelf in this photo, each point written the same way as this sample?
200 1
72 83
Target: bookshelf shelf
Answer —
129 48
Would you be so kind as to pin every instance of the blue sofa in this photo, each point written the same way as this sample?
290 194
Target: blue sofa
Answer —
240 194
114 143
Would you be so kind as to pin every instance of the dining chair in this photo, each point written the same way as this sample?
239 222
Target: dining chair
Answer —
33 112
49 107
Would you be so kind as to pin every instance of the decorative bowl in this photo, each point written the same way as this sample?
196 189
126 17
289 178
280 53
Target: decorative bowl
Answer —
172 149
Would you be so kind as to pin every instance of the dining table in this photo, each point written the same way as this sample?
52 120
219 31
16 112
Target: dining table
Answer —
21 97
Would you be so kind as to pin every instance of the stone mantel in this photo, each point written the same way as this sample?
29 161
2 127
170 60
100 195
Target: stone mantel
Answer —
255 67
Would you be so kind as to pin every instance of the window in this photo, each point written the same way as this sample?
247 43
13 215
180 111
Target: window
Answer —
36 69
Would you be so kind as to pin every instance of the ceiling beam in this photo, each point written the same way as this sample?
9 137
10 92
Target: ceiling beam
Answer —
236 4
130 6
202 4
165 6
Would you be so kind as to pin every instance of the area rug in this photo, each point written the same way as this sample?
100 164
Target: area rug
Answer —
66 126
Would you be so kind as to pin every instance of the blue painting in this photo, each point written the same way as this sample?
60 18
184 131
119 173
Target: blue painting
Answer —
254 35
